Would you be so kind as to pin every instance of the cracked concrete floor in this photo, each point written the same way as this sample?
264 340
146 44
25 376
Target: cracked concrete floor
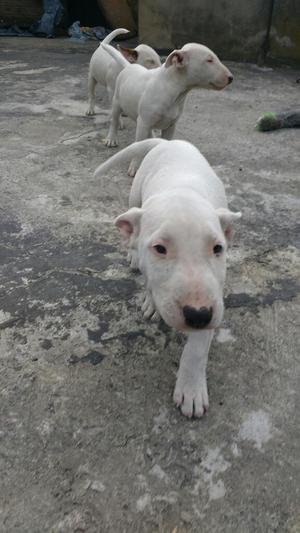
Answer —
89 438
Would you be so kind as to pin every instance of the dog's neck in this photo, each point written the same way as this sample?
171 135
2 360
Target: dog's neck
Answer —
176 81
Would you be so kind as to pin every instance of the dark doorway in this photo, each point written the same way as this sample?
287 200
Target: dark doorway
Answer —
87 12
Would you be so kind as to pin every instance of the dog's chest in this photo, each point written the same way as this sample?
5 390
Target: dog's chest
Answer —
163 117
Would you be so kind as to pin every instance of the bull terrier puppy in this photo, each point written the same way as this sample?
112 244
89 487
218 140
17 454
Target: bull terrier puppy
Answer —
155 98
177 229
104 69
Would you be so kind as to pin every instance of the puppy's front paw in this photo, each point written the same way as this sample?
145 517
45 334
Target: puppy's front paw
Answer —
133 259
148 307
90 112
111 141
191 395
132 168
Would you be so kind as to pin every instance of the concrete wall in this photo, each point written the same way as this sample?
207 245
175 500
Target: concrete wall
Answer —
234 29
285 32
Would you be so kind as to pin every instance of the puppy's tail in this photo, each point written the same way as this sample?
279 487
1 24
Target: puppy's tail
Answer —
112 35
105 44
115 54
136 150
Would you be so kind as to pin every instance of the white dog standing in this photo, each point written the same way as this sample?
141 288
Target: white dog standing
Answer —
104 69
155 98
177 230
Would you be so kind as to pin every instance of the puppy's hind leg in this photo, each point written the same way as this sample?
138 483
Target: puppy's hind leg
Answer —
110 93
142 132
112 137
91 93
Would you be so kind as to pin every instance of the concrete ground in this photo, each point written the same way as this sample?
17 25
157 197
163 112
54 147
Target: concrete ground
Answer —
90 440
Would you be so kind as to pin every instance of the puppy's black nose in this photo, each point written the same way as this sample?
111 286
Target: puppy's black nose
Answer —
230 79
197 318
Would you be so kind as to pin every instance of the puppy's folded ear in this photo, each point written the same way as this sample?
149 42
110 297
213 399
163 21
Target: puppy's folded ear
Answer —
227 219
178 58
129 223
129 53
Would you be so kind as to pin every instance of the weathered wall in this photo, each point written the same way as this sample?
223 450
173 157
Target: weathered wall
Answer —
235 29
285 32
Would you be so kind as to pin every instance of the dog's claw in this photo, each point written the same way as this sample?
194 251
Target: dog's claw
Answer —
155 317
192 400
111 143
148 307
90 113
131 172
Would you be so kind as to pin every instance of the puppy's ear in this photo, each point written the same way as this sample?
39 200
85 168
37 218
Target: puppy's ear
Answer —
227 219
178 58
129 223
129 53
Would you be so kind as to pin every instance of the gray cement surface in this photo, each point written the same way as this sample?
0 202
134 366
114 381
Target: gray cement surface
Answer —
89 438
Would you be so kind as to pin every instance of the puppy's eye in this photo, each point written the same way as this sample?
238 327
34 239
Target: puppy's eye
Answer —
210 60
160 249
218 249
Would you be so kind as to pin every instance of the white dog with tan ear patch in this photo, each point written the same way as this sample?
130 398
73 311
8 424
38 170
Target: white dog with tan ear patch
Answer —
104 69
177 230
155 98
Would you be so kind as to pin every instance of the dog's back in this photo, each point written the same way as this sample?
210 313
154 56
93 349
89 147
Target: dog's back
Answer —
165 168
130 87
100 64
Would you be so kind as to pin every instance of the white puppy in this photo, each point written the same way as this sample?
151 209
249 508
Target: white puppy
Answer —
177 229
155 98
104 69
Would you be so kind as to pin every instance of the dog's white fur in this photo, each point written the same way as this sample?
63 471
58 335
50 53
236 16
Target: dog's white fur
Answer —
178 204
104 69
155 98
